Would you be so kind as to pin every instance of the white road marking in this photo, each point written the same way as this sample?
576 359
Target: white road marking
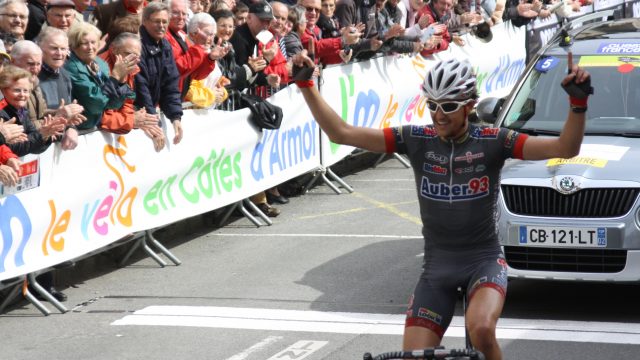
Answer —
319 235
364 323
256 347
299 350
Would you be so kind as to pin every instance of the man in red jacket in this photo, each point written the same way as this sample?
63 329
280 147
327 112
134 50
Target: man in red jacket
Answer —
327 51
193 61
437 11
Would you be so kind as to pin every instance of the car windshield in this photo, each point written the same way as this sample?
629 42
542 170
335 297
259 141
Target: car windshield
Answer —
540 105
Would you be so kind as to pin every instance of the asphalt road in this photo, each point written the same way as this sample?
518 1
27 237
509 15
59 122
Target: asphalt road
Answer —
330 279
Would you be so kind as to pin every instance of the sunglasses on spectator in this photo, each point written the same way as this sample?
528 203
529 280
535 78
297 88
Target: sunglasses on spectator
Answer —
312 9
446 107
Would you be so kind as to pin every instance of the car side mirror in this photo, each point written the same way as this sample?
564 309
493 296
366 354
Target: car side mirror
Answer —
488 109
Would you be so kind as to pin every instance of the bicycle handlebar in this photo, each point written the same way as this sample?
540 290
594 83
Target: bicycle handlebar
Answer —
429 354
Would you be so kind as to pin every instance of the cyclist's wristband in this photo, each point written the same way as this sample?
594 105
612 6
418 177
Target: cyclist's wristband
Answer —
305 83
578 102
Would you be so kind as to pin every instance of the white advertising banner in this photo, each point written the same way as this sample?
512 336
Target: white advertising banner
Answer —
111 185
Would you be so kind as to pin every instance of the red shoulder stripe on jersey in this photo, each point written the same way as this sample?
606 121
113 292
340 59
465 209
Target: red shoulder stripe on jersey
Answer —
519 146
389 140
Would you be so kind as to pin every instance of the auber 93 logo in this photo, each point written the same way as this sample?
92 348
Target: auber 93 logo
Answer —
475 188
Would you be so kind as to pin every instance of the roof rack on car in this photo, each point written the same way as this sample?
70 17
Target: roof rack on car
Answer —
562 35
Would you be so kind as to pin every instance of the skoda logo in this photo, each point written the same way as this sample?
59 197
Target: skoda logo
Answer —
567 185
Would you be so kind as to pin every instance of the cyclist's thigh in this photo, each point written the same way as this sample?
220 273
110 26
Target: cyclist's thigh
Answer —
432 305
490 271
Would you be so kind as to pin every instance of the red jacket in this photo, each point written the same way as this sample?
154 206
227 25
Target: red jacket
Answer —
193 62
119 121
277 65
446 37
6 154
326 50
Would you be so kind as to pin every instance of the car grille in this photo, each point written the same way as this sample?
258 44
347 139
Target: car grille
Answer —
565 260
592 203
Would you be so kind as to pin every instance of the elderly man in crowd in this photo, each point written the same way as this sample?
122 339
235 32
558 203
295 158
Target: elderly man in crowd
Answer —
62 14
27 55
157 81
14 15
194 62
279 24
55 82
205 93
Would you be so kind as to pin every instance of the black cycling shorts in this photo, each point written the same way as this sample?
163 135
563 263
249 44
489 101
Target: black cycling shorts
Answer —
433 302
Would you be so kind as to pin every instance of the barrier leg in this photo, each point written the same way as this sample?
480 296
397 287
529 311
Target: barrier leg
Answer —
257 211
130 252
339 180
152 253
32 299
314 178
142 241
161 248
402 160
226 215
32 281
382 156
321 174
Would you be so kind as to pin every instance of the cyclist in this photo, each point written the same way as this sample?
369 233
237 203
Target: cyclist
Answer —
457 170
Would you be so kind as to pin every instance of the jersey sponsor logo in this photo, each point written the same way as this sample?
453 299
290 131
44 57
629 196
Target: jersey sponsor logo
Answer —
485 133
423 131
469 157
464 170
475 188
479 282
481 168
430 315
434 169
439 158
510 140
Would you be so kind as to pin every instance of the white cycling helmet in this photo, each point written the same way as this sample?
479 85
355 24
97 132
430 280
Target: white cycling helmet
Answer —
450 80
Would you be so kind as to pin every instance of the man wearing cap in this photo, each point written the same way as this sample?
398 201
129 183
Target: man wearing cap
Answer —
248 50
61 14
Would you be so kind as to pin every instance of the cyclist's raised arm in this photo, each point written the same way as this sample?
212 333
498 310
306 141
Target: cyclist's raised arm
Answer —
578 85
331 123
339 131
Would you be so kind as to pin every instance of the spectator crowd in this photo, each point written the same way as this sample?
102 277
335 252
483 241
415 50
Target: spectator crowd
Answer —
68 68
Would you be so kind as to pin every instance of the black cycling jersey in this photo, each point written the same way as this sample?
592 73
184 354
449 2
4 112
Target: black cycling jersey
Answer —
457 180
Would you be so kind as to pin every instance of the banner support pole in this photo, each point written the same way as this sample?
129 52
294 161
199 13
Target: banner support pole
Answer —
31 277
